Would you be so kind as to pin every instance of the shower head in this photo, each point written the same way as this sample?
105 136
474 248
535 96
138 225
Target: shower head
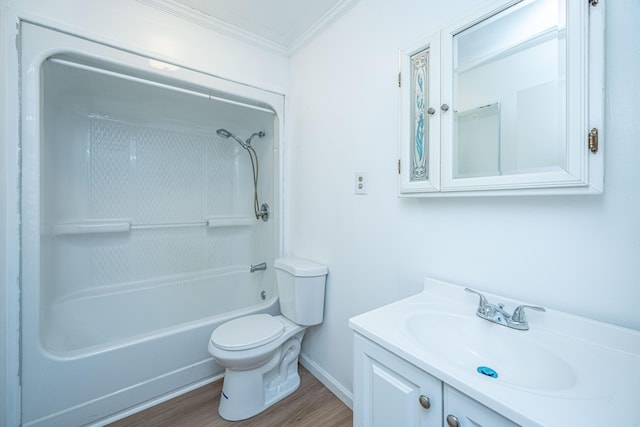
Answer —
223 133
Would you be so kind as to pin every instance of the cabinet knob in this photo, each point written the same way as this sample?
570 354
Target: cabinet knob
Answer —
452 421
444 107
424 401
431 111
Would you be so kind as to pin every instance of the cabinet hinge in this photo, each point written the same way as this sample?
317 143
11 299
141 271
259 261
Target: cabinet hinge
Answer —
398 166
399 79
593 3
593 140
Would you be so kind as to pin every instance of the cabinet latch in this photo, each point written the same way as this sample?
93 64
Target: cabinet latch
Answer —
593 140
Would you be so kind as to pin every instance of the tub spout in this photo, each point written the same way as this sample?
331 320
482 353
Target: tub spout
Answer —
259 267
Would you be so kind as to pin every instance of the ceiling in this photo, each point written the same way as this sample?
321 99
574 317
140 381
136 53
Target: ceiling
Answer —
285 24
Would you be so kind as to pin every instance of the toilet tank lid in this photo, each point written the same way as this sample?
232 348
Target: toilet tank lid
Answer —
301 267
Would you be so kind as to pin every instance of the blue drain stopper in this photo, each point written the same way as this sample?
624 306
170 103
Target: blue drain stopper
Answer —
485 370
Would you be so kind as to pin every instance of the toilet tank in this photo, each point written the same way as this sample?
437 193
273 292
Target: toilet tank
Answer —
301 286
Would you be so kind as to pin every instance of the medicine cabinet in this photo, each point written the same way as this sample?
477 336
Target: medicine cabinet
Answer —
508 101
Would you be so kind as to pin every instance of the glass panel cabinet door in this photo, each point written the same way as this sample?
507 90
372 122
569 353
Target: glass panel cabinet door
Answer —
419 164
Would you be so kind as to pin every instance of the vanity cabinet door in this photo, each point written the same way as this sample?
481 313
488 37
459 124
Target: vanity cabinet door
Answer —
462 411
388 391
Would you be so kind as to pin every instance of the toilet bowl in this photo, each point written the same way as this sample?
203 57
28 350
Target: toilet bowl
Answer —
260 352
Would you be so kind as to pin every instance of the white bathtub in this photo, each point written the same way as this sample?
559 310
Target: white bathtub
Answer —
92 322
103 355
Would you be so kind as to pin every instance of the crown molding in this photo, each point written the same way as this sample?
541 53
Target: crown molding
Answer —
333 15
196 17
186 13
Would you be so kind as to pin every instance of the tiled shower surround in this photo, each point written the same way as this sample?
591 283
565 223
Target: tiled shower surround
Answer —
132 202
163 185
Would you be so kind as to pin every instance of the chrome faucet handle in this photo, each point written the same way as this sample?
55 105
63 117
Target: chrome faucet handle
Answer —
483 300
518 315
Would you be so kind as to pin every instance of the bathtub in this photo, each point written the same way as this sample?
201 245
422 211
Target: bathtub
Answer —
138 231
94 322
115 363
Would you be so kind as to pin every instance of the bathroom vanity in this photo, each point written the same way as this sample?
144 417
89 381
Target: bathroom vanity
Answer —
429 360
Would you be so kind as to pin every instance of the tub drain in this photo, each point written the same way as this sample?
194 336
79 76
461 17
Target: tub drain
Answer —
485 370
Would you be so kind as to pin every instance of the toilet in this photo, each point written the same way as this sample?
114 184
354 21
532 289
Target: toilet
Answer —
260 352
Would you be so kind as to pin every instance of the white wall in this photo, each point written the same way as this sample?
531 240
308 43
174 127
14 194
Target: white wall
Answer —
579 254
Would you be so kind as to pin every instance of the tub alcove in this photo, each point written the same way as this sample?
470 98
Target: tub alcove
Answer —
138 227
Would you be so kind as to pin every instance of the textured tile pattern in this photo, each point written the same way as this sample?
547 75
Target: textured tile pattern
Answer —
109 144
154 176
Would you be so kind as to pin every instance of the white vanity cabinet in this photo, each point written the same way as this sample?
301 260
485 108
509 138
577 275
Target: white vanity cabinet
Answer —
389 391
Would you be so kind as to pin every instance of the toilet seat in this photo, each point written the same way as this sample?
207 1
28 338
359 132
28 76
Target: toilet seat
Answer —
247 332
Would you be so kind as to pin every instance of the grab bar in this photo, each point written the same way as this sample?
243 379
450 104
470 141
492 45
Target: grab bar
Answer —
230 221
167 225
125 225
92 227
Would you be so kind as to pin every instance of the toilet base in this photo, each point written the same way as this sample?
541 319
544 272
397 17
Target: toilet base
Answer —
247 393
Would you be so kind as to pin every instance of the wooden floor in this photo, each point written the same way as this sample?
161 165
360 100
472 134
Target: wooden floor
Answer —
311 405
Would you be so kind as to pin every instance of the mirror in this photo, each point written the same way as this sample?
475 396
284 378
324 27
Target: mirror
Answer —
509 92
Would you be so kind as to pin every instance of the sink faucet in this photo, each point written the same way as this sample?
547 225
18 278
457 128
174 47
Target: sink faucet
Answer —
495 313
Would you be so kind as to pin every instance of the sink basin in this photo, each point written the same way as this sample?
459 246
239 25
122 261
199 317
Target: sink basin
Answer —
469 343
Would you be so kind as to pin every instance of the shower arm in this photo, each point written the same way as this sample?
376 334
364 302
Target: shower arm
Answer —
259 134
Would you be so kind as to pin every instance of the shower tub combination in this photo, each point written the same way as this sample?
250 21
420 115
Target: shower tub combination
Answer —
141 226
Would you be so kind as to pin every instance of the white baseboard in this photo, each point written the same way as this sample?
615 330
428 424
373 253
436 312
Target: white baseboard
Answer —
329 382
